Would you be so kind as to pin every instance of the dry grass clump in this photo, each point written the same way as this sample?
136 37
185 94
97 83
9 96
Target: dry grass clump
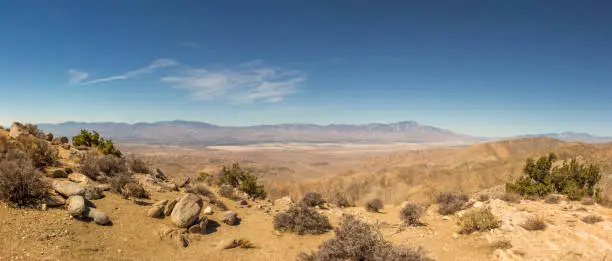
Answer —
226 191
511 198
591 219
450 202
483 197
357 240
138 165
478 220
588 201
301 219
534 223
40 152
410 214
20 183
112 165
374 205
313 198
501 244
245 243
200 189
341 200
552 199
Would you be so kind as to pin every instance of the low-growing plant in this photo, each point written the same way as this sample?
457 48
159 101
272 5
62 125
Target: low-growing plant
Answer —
200 189
207 178
20 183
341 200
356 240
313 198
552 199
511 197
478 220
137 165
49 137
534 223
226 191
40 152
501 244
588 201
483 197
111 165
301 219
591 219
94 140
410 214
374 205
450 202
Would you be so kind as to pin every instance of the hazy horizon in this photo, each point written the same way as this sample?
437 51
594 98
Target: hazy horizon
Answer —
480 68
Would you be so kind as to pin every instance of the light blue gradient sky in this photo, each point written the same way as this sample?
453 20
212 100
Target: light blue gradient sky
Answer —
487 68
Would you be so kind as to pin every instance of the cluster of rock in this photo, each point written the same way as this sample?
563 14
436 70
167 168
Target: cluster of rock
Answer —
74 190
187 216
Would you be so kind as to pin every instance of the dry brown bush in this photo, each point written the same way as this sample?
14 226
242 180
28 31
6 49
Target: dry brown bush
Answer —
374 205
501 244
124 185
483 197
591 219
511 198
357 240
20 183
552 199
537 223
450 202
200 189
410 214
138 165
313 198
112 165
301 219
88 164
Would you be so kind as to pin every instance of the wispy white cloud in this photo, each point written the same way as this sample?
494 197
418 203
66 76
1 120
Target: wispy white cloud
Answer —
246 82
79 78
75 76
190 44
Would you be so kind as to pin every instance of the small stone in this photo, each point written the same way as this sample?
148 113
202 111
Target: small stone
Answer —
98 216
229 218
208 211
445 218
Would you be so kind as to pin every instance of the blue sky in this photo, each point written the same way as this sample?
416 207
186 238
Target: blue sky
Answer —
488 68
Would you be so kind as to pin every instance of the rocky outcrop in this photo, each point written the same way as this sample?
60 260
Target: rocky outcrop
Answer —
67 188
186 211
93 193
17 130
54 201
76 205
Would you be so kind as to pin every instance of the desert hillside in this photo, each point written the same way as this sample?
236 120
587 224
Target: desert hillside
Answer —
98 203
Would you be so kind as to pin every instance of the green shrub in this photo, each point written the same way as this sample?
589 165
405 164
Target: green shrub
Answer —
20 183
94 140
572 179
301 219
237 177
356 240
449 202
374 205
478 220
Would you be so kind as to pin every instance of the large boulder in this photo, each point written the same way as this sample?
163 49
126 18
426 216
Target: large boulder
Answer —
76 205
186 211
17 129
98 216
79 178
157 210
67 188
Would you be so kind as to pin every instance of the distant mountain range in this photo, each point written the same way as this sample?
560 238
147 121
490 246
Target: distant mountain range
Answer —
200 133
572 136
